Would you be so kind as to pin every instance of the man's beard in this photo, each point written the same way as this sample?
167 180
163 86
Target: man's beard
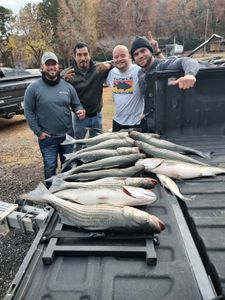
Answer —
52 75
83 65
148 62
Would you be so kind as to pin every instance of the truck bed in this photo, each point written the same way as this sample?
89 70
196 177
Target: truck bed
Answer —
205 215
186 260
190 255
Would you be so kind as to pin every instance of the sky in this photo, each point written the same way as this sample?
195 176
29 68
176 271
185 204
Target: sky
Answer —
16 5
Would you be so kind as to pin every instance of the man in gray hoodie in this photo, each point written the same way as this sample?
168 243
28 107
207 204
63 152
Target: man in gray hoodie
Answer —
47 105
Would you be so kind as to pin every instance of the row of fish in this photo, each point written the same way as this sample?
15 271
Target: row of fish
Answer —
88 209
102 185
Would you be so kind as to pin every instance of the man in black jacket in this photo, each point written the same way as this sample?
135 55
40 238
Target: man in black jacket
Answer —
87 78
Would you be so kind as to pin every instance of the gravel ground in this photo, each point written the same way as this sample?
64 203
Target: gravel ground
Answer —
20 171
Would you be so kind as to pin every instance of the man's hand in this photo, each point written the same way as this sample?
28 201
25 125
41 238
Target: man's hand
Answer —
185 82
69 75
81 114
155 45
43 136
153 42
102 67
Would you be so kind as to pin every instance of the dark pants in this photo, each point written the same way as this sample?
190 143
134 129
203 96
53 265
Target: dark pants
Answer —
117 127
80 127
50 150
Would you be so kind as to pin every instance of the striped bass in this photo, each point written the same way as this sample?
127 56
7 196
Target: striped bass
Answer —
110 144
126 172
171 186
153 151
96 139
59 184
160 143
178 169
125 196
98 217
94 155
105 163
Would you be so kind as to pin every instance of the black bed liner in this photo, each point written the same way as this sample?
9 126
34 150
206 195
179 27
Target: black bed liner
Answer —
205 214
177 274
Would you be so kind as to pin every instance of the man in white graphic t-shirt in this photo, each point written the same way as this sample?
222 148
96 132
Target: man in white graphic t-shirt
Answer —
128 99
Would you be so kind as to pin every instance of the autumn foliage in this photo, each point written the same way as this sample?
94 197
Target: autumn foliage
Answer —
58 24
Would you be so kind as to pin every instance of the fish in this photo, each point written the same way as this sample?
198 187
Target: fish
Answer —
94 155
88 176
178 169
96 139
160 143
105 163
125 196
59 184
168 183
153 151
97 217
110 144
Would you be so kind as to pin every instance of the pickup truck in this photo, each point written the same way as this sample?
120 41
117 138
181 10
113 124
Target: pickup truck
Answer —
187 260
12 91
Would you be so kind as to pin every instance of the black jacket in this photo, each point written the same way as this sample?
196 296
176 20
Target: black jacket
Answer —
89 88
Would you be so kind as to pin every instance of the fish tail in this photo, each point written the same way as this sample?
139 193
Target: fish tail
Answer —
57 184
39 194
67 156
68 140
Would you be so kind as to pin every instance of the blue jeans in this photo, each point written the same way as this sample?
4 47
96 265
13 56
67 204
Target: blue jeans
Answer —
50 150
79 127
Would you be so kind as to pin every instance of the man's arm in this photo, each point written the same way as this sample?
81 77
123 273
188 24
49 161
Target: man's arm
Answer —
189 66
29 110
76 106
68 74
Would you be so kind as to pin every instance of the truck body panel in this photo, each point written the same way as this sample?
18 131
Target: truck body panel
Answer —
12 91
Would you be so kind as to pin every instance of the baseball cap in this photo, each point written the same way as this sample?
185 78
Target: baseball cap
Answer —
140 42
47 56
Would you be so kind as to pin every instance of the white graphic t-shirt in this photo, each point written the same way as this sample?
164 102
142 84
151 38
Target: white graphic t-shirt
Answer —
129 102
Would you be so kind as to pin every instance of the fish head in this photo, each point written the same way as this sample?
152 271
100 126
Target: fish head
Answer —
151 163
143 182
142 221
148 182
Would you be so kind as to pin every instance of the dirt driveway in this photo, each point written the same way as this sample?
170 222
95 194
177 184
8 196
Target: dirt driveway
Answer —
21 169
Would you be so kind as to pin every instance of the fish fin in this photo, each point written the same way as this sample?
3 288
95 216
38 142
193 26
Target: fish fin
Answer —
68 140
187 199
38 194
85 160
50 179
208 154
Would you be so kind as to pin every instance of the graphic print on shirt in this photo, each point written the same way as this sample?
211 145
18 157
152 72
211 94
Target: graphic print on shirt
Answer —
123 85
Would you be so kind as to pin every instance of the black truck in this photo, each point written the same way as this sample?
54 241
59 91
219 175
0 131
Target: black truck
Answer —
187 260
12 91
